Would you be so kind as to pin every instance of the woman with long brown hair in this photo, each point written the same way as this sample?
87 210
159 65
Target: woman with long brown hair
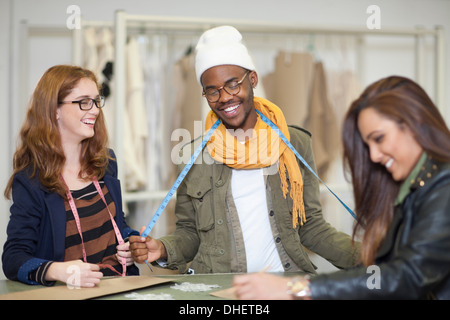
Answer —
397 150
66 215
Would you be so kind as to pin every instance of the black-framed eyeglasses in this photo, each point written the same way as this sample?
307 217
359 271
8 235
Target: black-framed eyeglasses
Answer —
87 103
232 88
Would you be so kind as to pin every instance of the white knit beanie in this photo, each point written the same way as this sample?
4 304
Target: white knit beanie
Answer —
220 46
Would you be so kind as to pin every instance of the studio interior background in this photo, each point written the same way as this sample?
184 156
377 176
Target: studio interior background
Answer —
307 53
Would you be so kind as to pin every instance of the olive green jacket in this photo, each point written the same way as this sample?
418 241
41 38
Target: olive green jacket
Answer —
207 232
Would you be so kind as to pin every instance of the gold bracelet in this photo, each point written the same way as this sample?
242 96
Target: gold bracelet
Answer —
298 287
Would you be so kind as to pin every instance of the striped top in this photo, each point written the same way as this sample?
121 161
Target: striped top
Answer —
98 233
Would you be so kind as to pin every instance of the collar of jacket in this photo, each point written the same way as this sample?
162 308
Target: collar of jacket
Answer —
428 170
405 188
425 170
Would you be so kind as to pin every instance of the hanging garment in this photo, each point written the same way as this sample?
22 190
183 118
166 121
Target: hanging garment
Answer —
135 136
98 56
188 104
105 60
104 72
90 54
159 94
343 88
321 122
289 85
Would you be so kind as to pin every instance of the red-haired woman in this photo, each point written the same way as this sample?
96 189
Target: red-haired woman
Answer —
397 148
66 222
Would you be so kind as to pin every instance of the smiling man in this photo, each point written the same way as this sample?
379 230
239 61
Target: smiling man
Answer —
251 205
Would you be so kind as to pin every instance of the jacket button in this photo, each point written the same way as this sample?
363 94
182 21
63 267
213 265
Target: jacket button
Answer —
219 183
199 193
278 239
221 251
219 222
271 213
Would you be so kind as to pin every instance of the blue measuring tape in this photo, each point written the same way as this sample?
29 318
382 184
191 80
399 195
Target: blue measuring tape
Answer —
199 149
287 142
180 178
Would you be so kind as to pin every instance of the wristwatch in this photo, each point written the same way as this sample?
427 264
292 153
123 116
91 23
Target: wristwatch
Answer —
298 288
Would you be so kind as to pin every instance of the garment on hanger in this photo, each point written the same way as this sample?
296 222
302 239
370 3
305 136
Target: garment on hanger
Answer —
321 122
136 130
90 54
298 86
343 88
188 102
104 72
98 56
105 50
159 92
289 85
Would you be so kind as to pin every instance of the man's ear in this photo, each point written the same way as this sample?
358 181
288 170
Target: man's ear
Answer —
253 78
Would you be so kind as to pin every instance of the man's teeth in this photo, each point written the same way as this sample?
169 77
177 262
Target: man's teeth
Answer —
389 163
230 109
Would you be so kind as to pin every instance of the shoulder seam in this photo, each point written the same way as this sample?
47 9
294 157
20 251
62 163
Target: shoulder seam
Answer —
300 128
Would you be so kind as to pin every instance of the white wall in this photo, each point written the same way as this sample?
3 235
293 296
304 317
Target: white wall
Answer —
44 51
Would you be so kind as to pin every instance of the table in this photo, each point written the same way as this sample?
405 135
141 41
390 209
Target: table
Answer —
184 304
216 282
167 290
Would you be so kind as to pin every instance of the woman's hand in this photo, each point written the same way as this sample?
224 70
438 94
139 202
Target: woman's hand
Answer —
76 273
123 251
261 286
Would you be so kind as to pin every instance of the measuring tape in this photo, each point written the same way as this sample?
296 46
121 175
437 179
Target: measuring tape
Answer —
188 166
180 178
285 140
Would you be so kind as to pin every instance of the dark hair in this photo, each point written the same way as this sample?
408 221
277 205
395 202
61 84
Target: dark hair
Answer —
405 102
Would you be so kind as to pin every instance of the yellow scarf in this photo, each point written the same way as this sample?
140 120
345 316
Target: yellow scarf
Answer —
263 148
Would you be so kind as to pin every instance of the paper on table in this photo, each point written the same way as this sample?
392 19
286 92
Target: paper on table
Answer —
225 294
106 287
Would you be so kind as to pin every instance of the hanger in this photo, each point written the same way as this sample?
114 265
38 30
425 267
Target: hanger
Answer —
311 47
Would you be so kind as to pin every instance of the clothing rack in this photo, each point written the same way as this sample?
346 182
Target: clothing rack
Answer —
77 38
125 22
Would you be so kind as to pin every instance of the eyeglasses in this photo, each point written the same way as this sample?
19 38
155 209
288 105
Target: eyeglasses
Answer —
232 88
87 103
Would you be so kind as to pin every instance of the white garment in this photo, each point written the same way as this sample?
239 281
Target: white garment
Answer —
90 55
105 52
136 130
249 194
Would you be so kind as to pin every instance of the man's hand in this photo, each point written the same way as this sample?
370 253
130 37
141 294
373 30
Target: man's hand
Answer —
146 248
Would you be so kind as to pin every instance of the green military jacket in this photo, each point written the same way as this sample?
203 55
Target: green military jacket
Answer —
208 234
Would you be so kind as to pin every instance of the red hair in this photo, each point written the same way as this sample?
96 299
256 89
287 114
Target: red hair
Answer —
40 150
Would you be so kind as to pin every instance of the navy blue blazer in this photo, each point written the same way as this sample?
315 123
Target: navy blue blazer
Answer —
37 226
